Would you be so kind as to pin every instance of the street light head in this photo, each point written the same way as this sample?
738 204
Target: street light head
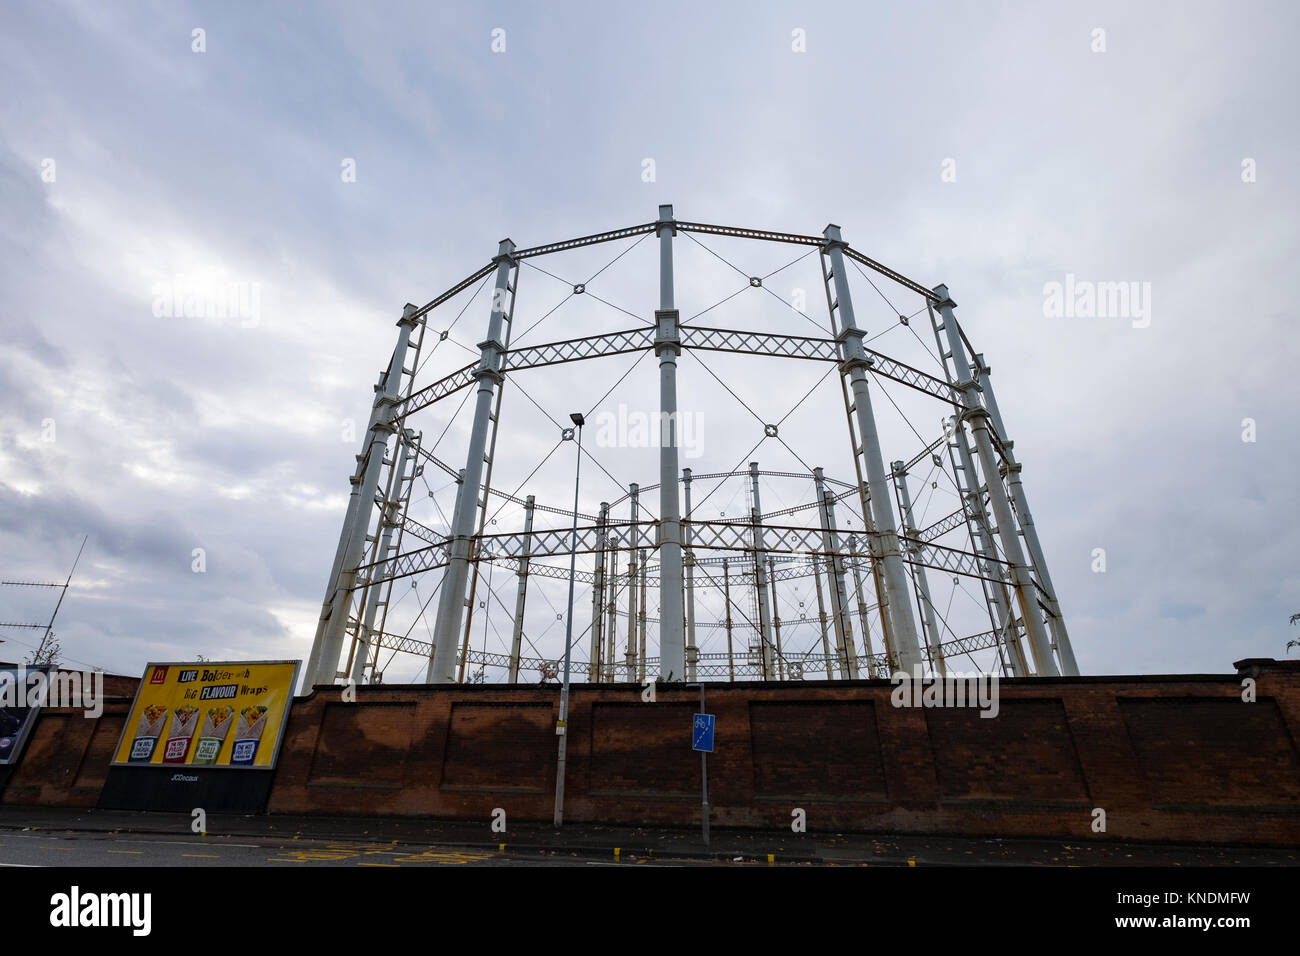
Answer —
577 419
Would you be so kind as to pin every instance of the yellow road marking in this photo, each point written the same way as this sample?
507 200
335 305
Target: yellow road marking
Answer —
135 852
202 856
443 856
393 865
324 856
360 847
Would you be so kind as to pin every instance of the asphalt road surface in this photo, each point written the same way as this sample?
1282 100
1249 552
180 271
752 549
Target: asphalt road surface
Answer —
45 836
107 849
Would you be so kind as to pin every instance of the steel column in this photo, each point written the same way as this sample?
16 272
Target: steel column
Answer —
776 621
862 613
389 520
611 631
726 596
1055 620
1010 652
672 647
821 617
598 597
516 639
981 531
345 537
978 528
322 665
634 506
692 650
641 620
977 417
903 629
760 575
928 617
451 603
844 647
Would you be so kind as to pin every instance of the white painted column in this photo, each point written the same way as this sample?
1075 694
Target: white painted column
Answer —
821 618
611 629
390 519
692 650
517 637
844 648
672 640
928 615
862 611
324 660
977 417
903 626
451 603
345 536
633 672
1055 620
726 597
598 597
776 621
760 576
641 618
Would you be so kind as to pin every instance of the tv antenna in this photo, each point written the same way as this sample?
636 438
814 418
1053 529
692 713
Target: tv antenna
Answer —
48 646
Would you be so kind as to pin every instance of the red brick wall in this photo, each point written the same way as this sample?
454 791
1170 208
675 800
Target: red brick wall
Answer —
66 757
1167 757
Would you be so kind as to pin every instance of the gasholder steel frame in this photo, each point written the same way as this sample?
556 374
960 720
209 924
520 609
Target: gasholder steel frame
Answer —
1005 554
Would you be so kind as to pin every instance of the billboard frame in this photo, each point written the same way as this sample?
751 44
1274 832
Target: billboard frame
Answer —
144 682
33 713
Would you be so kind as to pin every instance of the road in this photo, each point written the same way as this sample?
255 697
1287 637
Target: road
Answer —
36 836
108 849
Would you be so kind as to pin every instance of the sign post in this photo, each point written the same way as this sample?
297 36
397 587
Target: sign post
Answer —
702 740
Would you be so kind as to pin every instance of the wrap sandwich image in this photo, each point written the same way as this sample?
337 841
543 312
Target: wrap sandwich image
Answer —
216 726
147 733
248 732
185 720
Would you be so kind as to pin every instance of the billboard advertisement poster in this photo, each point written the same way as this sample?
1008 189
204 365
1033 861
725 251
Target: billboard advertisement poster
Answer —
209 714
16 716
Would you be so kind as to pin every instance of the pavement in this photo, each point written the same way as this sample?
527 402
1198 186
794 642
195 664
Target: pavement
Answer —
92 837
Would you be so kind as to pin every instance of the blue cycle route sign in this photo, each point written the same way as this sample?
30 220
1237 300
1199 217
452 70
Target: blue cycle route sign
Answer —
702 733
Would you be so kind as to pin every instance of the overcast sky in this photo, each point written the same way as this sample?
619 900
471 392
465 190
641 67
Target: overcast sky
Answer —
998 148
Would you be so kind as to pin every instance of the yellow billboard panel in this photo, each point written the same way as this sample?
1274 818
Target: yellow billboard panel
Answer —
209 714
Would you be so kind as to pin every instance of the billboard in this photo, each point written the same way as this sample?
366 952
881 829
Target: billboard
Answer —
16 716
209 714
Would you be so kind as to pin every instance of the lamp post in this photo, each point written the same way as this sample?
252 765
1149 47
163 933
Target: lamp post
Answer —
561 728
